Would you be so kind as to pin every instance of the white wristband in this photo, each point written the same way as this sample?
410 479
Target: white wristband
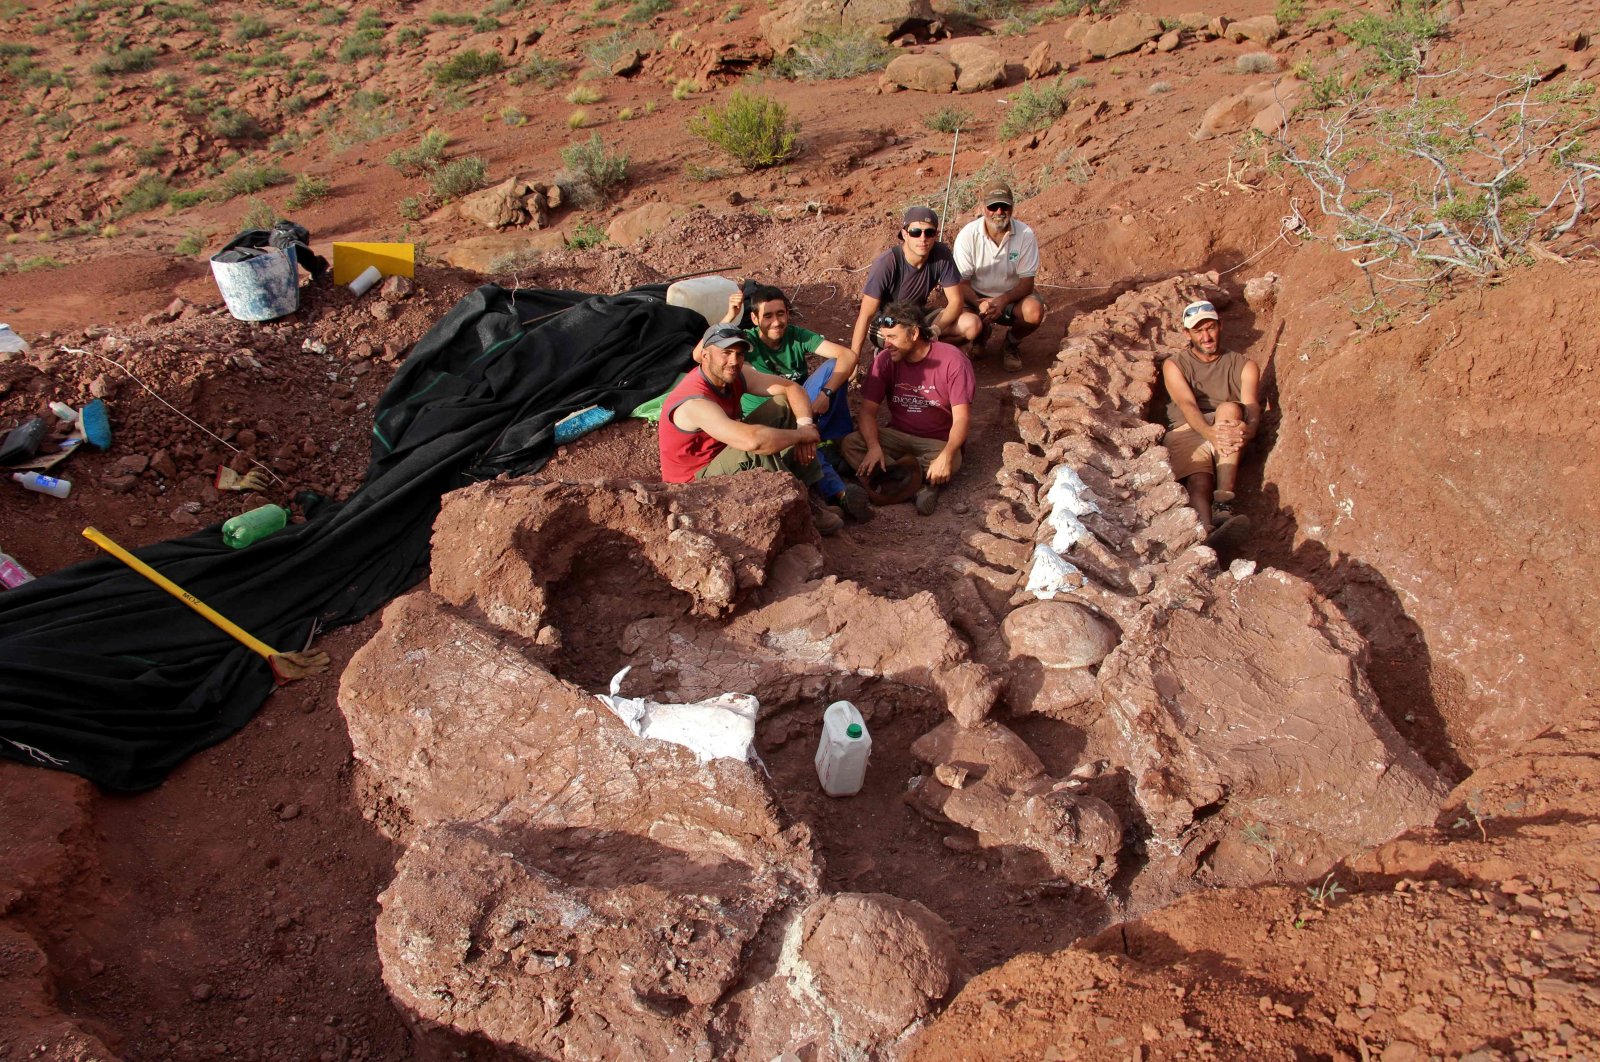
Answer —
804 422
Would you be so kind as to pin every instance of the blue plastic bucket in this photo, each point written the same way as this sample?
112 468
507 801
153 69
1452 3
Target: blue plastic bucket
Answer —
259 288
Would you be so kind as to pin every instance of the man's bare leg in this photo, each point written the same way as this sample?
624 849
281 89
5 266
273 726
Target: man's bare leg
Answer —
1199 486
1229 422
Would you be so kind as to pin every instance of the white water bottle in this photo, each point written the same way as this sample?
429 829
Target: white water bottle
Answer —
57 488
12 574
842 753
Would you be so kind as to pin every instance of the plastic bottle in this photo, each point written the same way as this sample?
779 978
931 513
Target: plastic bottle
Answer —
707 296
12 574
842 753
254 525
369 276
58 488
10 342
578 424
64 412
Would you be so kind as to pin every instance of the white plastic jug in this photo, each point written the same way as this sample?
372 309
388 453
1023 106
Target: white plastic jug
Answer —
842 753
707 296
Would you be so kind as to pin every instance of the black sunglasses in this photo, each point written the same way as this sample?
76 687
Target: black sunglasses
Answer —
917 234
885 320
997 207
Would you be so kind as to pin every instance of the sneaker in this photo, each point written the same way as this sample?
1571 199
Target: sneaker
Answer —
927 500
827 521
1011 358
1231 535
855 503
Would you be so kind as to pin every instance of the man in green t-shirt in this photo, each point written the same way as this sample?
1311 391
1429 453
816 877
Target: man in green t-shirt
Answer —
781 349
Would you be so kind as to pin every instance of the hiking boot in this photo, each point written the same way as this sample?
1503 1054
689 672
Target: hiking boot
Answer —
827 521
1011 357
855 503
1230 536
927 500
979 347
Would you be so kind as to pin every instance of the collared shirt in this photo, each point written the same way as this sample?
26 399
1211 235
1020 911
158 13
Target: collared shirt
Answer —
994 269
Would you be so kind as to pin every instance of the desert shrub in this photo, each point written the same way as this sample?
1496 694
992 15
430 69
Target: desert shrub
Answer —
188 197
1159 88
754 129
124 61
949 119
249 178
458 177
468 66
1289 12
451 18
513 116
12 264
578 119
645 10
363 44
540 70
604 171
193 243
251 27
148 193
604 52
307 189
586 235
1397 43
1035 107
426 154
410 208
232 124
696 172
1255 63
583 94
830 56
259 214
685 87
406 36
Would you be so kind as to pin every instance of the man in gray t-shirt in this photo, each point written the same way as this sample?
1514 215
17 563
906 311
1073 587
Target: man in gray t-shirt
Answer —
910 272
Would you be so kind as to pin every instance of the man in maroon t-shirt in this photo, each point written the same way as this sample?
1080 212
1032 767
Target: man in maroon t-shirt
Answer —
928 386
702 434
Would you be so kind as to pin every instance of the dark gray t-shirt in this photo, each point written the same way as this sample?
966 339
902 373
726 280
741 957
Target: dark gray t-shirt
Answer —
1212 382
893 279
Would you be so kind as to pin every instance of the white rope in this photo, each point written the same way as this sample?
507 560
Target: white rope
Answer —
134 377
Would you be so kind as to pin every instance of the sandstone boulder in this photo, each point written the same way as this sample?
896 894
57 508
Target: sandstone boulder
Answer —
511 202
636 224
1039 62
489 254
794 21
1126 33
1261 29
1257 701
977 67
1264 105
920 73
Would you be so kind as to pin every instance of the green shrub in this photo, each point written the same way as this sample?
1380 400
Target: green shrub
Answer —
425 156
233 124
450 18
410 208
584 94
1034 108
307 189
248 179
250 28
467 67
124 61
148 193
586 235
949 119
193 243
259 215
602 170
457 178
363 44
1289 12
541 71
696 172
645 10
830 56
406 36
188 197
754 129
1399 42
605 52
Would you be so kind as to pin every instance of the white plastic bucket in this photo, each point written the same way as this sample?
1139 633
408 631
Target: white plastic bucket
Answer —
842 755
260 288
707 296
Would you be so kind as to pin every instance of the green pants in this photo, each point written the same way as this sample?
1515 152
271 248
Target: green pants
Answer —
773 414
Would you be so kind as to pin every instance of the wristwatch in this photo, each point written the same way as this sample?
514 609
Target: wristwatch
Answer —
829 391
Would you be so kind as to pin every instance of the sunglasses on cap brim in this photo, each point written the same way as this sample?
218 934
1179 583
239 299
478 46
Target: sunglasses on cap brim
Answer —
885 320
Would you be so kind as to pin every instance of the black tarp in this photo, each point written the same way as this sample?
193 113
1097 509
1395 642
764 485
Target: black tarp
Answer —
115 680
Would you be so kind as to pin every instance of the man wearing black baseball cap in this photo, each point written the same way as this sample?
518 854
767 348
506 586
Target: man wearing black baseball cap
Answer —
911 271
702 432
998 257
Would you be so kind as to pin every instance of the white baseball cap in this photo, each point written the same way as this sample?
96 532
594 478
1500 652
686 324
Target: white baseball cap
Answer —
1196 312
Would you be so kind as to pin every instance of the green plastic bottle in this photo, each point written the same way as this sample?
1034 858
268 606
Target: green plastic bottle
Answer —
254 525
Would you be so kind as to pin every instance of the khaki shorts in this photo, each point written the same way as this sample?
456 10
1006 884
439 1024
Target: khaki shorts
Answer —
1189 451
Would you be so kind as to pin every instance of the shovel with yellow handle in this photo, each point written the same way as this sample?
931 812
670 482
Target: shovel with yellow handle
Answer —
286 667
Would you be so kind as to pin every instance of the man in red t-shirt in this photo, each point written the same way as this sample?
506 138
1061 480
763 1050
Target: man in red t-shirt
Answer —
928 386
702 433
